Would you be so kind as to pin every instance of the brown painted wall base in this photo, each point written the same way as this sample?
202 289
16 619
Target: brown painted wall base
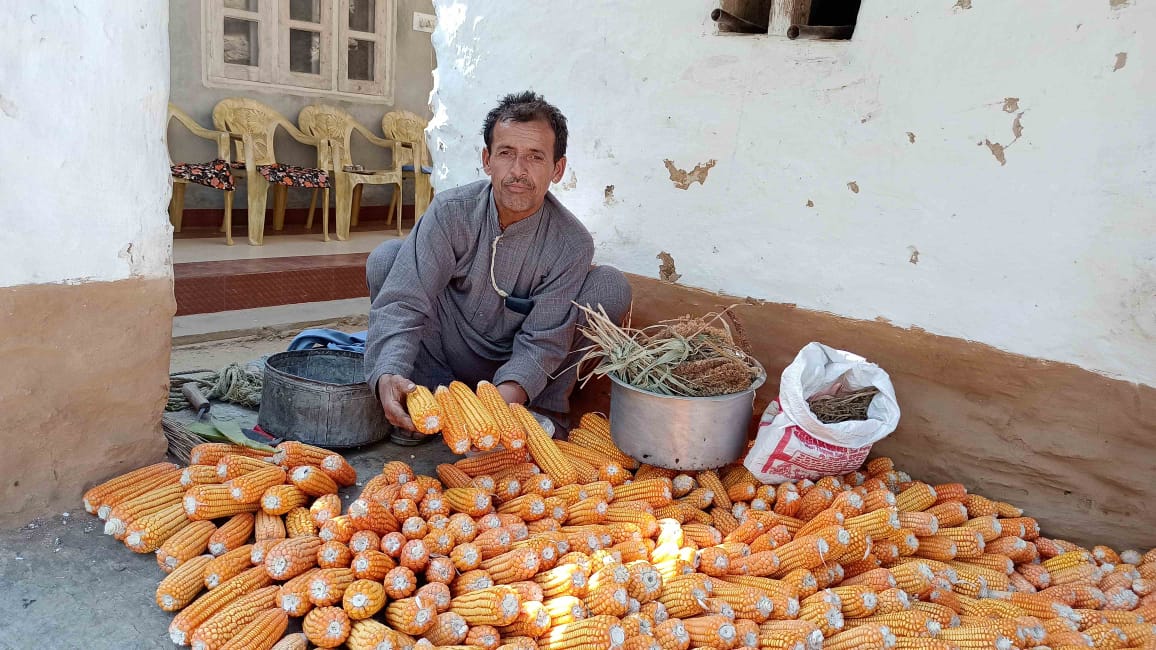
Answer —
1075 449
83 382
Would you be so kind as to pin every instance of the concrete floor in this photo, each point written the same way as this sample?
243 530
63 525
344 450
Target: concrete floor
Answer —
65 585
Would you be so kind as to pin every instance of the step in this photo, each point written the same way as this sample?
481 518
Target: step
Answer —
230 285
198 328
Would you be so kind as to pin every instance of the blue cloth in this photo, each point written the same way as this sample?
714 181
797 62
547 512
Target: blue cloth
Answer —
424 169
326 338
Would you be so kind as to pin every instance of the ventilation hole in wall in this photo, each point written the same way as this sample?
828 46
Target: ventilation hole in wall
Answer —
803 19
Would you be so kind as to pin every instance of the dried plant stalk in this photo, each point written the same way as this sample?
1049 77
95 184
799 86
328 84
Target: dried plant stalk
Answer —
843 407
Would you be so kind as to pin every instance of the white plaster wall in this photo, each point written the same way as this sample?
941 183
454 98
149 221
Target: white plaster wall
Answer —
84 182
1051 255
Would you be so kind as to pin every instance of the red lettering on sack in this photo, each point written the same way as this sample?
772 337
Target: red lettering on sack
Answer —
814 456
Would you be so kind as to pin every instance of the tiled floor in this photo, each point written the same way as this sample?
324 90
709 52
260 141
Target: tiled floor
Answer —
276 245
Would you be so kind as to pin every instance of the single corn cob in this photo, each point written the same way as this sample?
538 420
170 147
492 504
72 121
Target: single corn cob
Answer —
510 432
328 586
118 488
480 423
249 487
533 621
400 582
292 557
209 453
258 550
712 631
448 629
213 501
372 515
334 554
292 453
232 534
864 636
471 501
455 430
498 606
312 481
325 508
452 476
594 632
299 523
512 566
280 499
225 566
370 634
189 542
543 449
410 616
227 623
182 585
414 555
440 569
200 610
147 533
127 512
371 565
230 466
326 627
424 410
261 633
338 469
491 462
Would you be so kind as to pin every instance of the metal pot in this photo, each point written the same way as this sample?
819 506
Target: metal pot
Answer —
683 433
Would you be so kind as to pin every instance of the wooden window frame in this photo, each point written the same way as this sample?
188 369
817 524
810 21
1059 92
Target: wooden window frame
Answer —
272 70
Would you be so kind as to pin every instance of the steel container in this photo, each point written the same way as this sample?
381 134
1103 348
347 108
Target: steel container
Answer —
683 433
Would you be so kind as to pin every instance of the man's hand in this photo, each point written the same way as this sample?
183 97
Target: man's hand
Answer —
391 390
512 392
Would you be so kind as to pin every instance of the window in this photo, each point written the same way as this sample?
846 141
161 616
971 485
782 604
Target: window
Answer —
795 19
312 47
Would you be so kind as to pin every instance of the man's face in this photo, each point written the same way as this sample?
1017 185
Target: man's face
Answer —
520 163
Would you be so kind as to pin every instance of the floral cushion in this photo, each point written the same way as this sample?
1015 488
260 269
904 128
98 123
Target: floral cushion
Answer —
213 174
290 175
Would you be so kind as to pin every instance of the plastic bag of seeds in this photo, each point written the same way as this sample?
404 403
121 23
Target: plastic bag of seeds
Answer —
832 406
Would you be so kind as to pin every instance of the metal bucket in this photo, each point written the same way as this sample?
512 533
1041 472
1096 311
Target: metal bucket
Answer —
683 433
319 396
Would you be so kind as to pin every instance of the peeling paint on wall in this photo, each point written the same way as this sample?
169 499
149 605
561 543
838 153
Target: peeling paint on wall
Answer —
914 257
963 4
682 179
608 196
1119 4
996 150
1121 60
911 137
666 271
854 187
810 203
572 182
1011 104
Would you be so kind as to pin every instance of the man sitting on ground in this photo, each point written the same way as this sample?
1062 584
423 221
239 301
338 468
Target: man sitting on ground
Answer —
485 285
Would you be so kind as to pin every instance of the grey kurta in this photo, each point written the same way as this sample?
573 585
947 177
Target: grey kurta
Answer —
443 271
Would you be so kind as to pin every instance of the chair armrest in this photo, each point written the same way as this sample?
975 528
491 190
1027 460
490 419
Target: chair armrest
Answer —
220 137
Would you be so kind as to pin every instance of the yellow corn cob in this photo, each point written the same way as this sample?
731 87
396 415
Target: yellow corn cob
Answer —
183 584
312 481
864 636
249 487
293 595
370 634
292 453
510 432
424 410
327 627
232 618
192 616
261 633
410 616
492 462
471 501
209 453
594 632
448 629
711 631
498 605
223 567
480 423
189 542
327 586
512 566
451 476
280 499
147 533
213 501
918 497
232 534
542 448
338 469
125 486
230 466
907 624
455 429
369 514
198 474
127 512
603 444
299 523
296 641
292 557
